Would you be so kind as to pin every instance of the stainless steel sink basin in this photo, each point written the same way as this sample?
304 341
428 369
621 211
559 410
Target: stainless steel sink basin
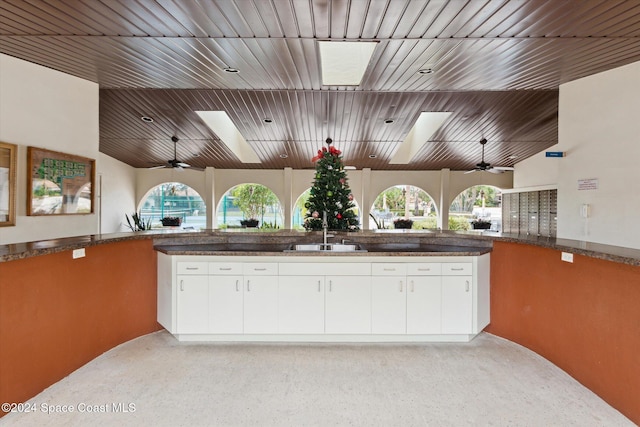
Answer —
330 247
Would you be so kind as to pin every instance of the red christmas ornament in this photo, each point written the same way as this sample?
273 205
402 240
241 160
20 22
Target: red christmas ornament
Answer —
339 216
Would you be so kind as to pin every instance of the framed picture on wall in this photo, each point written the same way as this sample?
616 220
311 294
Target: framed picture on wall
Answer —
8 153
59 183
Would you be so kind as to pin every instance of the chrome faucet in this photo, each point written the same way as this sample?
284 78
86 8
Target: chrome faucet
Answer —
325 226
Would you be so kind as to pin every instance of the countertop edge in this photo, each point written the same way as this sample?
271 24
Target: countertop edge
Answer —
622 255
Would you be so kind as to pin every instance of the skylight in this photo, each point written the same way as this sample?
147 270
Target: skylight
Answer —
344 63
220 123
426 125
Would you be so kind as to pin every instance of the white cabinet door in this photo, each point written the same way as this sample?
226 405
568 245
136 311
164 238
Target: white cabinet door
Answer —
192 304
388 305
348 305
301 305
457 305
260 304
424 304
225 304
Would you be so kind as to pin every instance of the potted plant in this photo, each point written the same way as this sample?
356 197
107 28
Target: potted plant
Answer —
171 221
402 223
136 223
481 224
251 222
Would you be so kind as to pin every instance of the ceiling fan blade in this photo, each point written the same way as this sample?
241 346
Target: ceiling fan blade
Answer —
495 170
504 168
157 167
183 165
471 171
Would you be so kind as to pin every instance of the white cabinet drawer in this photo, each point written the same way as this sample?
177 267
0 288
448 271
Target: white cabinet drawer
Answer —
225 268
457 269
193 268
424 269
260 269
313 269
388 269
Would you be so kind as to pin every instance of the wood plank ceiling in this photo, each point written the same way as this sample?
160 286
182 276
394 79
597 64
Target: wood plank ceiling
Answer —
497 66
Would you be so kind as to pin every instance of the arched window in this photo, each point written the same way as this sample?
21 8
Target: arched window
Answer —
479 206
245 204
404 206
174 203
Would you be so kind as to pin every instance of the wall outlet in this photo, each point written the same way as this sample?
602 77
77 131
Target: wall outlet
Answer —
78 253
566 257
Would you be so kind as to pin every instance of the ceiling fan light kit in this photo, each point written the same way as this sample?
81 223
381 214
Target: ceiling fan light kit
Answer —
486 167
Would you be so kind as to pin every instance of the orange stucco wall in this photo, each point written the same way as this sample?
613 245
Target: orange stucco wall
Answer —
58 313
584 317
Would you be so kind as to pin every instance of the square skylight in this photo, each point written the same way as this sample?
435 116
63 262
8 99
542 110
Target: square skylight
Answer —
426 125
344 63
220 123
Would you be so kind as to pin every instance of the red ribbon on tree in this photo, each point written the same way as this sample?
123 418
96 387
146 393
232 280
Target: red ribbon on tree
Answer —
332 150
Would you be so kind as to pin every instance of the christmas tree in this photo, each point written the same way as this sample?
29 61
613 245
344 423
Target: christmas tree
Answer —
330 193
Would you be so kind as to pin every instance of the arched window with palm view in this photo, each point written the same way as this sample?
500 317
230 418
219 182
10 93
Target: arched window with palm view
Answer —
404 206
477 207
250 205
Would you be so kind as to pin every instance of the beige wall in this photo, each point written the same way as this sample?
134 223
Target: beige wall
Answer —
43 108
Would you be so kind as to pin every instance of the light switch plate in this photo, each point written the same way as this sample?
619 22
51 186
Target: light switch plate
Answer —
567 257
78 253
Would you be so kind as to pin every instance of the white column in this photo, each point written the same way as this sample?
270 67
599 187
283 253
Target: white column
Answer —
209 197
443 208
365 206
288 196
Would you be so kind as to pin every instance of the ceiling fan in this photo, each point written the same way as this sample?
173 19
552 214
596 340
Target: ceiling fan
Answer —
174 163
484 166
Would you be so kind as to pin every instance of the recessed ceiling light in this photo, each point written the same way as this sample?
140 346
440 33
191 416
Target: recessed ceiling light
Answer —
196 154
426 71
147 119
513 157
268 120
388 121
231 70
284 156
372 156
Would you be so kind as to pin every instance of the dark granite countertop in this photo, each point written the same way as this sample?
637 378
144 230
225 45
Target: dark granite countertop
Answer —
378 243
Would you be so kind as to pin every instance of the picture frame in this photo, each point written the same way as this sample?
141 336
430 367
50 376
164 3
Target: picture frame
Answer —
8 155
59 183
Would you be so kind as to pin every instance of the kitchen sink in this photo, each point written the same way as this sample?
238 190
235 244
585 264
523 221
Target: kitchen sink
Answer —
329 247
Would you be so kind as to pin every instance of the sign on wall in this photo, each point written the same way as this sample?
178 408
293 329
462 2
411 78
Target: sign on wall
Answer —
588 184
59 183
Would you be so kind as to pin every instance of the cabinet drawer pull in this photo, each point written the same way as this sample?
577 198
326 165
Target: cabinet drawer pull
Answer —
182 285
237 288
330 285
466 287
224 268
389 269
400 285
457 269
193 268
259 269
413 286
248 286
318 285
424 269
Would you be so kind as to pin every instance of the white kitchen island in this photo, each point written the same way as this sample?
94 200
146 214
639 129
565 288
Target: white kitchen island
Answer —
336 298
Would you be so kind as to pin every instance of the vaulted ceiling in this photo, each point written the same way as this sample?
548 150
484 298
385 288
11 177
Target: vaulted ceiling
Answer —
496 65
